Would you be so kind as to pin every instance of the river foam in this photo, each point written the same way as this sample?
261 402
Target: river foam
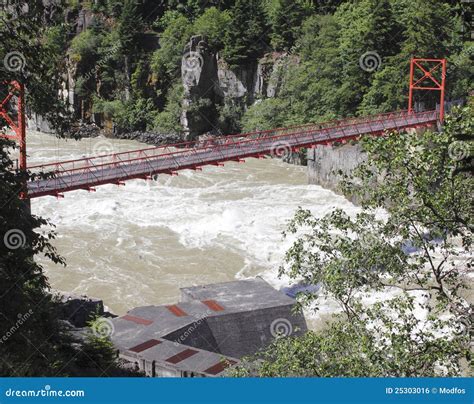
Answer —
137 244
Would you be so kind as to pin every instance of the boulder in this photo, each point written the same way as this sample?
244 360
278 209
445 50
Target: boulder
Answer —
79 310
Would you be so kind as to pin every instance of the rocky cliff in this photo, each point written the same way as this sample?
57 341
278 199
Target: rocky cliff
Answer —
213 92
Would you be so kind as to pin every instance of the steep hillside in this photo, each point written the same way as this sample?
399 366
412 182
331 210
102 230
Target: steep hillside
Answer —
180 69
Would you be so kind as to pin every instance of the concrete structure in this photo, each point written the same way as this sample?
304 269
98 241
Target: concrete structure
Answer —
210 329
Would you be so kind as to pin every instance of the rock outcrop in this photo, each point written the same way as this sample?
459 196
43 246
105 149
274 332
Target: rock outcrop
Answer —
199 78
153 138
325 161
211 86
79 310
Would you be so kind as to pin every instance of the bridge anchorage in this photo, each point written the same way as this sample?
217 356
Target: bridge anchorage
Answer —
90 172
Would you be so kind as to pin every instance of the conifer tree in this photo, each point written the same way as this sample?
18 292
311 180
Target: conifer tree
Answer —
286 21
246 37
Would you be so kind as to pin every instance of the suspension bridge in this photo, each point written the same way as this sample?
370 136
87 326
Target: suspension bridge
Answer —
89 172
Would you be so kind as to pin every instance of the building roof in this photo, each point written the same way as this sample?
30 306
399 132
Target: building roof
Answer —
157 321
181 357
231 319
238 296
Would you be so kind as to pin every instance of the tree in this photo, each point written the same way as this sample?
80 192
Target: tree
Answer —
350 349
130 26
424 30
176 33
33 340
286 17
266 114
29 57
419 250
168 120
212 24
246 35
311 86
368 33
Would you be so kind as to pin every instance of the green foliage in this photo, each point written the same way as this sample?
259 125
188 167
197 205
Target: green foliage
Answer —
427 30
35 59
136 114
212 23
460 76
168 121
33 341
351 349
365 26
329 81
325 40
415 195
98 354
84 47
176 33
246 35
285 18
229 117
266 114
24 304
55 38
130 26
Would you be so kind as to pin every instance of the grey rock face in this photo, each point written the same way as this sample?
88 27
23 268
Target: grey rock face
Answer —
199 78
325 161
236 83
38 123
210 84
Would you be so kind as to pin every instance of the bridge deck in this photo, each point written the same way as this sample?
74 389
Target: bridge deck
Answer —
114 168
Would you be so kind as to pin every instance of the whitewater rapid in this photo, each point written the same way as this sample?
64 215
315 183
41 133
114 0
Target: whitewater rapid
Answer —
138 244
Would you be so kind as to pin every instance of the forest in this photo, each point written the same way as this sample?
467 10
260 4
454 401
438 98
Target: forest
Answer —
122 60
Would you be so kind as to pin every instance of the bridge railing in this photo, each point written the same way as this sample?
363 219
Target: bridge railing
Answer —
123 168
183 147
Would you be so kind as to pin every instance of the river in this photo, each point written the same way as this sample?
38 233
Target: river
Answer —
138 244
